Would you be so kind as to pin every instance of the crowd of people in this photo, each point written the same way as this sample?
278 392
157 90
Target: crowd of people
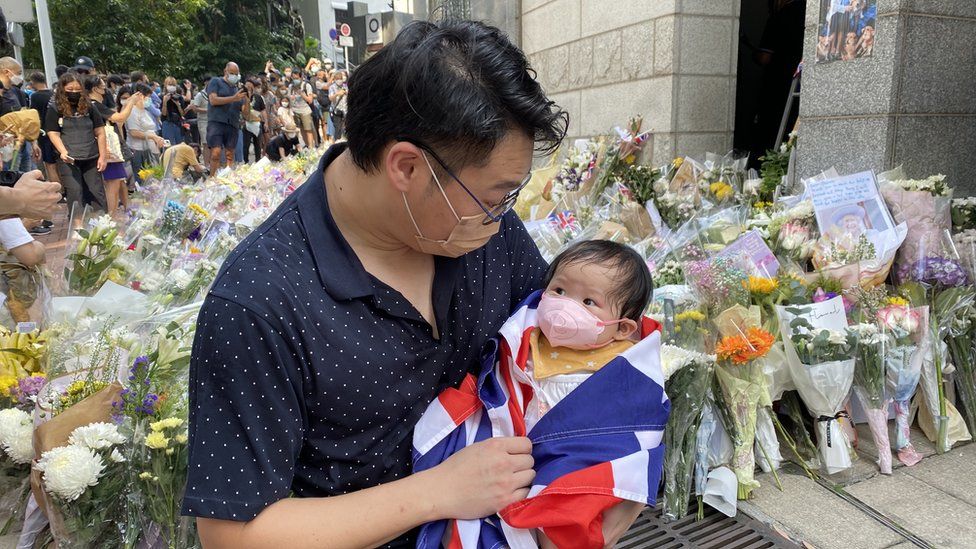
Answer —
101 130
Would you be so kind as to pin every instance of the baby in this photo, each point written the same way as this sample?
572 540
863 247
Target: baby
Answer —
590 312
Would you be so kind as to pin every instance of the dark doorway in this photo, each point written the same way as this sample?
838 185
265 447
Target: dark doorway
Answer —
770 48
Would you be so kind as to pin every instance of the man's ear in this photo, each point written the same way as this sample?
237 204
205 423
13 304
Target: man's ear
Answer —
626 330
405 166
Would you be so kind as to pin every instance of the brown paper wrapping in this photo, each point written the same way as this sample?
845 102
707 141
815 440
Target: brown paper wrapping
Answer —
637 221
55 432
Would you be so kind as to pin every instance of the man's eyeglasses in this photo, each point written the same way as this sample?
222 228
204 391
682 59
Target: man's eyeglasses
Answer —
493 214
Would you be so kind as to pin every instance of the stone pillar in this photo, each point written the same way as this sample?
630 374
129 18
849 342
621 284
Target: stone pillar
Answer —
673 61
912 103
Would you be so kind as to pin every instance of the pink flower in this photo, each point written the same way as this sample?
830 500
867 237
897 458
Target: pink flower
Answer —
900 320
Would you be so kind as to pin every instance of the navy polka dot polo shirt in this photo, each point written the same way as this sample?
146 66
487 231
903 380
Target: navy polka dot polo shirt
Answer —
308 374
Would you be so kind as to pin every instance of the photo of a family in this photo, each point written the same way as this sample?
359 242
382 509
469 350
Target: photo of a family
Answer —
846 29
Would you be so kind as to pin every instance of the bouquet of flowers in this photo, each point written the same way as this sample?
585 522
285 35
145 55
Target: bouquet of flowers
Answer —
96 251
819 359
905 327
793 232
742 388
869 384
85 478
688 379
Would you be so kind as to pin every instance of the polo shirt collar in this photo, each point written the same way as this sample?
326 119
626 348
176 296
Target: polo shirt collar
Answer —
337 265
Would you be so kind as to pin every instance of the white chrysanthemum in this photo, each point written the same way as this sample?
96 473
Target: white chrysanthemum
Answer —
70 470
675 358
20 446
97 436
11 422
104 222
837 337
803 210
116 456
152 240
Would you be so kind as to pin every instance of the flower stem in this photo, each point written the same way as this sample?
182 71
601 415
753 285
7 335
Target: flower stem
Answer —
770 463
792 444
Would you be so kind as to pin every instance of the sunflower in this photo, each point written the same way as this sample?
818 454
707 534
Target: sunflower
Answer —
760 285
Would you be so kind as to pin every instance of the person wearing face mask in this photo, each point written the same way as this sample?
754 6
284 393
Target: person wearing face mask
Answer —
338 96
173 107
381 280
285 116
115 173
77 132
252 124
269 118
322 103
301 96
140 130
283 144
14 99
227 102
155 103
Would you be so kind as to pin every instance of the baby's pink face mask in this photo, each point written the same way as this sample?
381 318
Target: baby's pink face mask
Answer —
567 323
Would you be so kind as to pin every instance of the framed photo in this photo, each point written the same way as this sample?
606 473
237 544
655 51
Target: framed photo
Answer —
846 29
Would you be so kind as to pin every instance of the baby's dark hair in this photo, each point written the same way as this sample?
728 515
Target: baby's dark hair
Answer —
634 284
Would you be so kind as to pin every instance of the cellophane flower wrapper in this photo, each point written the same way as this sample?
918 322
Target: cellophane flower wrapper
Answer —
687 387
721 182
89 255
824 387
869 385
793 232
925 206
906 327
952 317
938 278
743 390
959 340
713 444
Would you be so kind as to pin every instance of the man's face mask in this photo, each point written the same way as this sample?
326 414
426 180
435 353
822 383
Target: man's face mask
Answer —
468 235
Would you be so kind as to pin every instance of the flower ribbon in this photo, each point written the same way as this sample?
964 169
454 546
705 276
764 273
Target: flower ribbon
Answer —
834 417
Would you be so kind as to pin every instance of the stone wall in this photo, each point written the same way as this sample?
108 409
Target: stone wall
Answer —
912 103
672 61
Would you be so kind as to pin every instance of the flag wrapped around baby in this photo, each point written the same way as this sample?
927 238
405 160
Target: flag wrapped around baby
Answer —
597 447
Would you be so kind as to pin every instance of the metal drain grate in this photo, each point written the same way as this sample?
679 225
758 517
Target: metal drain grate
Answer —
715 530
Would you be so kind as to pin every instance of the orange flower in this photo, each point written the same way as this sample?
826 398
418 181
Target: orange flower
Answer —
741 349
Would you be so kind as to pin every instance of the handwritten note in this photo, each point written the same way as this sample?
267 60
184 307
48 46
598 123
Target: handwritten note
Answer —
826 315
751 249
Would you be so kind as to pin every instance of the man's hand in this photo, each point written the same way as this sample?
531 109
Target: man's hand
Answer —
101 164
618 519
483 478
36 198
36 152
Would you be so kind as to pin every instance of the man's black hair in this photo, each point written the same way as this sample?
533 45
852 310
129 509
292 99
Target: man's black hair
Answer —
633 286
37 77
142 88
60 70
455 86
91 81
136 76
114 80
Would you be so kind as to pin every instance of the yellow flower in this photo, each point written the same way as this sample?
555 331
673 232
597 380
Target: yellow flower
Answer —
168 423
630 159
7 385
897 301
180 439
198 209
157 440
761 206
697 316
761 285
170 451
678 162
145 173
145 475
721 190
194 250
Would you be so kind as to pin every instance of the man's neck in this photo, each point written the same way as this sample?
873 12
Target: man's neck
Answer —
356 204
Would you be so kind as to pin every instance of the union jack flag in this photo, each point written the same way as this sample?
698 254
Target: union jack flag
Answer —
599 446
563 220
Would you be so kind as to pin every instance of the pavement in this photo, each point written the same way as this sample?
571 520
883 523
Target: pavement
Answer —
932 504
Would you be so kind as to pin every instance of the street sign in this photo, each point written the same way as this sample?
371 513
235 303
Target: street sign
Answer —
333 34
345 29
374 29
345 42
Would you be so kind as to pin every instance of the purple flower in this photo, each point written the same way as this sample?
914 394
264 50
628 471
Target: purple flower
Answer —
27 388
935 271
